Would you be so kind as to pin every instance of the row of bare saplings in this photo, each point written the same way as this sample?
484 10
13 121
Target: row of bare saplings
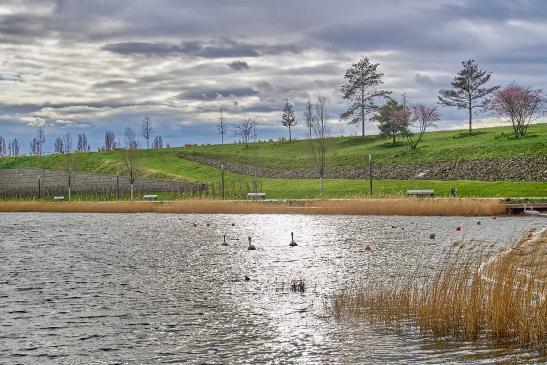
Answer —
232 190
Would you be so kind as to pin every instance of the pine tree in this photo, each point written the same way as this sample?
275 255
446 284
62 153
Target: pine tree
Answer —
362 91
466 92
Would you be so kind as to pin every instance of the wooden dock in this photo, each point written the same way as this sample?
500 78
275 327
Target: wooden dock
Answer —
512 209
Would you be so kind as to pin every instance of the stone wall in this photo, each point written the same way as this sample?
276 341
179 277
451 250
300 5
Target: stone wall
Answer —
54 182
527 168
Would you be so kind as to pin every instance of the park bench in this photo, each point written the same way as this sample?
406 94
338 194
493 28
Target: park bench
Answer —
256 195
58 198
150 197
420 192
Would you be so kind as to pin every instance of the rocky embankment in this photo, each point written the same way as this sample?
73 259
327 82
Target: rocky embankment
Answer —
529 168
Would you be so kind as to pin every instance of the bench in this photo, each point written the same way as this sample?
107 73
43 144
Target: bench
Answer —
256 195
420 192
150 197
58 198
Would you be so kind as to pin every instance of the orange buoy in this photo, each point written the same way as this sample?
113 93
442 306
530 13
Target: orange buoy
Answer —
368 248
458 228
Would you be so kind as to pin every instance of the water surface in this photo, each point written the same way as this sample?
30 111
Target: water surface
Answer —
158 288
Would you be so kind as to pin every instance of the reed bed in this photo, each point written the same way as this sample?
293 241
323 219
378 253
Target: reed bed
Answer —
395 206
500 297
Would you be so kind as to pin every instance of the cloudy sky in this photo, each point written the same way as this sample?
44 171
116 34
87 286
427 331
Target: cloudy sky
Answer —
91 65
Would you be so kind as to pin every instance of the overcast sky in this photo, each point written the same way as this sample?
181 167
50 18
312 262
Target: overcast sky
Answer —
87 66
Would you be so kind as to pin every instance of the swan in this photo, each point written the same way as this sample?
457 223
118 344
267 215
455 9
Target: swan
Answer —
292 244
251 246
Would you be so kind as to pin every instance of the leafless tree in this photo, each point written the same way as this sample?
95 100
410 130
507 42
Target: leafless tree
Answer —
14 148
2 146
287 118
67 141
82 145
58 145
34 147
308 116
519 105
109 141
70 165
222 126
244 130
132 167
362 90
158 142
130 139
39 141
466 92
147 129
319 142
422 117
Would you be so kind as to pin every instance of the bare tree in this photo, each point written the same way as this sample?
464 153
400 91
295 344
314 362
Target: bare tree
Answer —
362 90
69 163
422 117
519 105
109 141
244 130
287 118
147 129
34 149
222 126
130 139
2 146
158 143
14 148
466 92
58 145
39 140
308 116
132 167
67 141
82 145
319 142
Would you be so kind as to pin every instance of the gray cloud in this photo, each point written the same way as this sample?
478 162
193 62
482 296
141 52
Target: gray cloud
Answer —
239 65
106 64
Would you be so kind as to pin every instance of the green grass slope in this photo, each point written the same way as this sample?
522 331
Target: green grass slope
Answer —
349 151
166 163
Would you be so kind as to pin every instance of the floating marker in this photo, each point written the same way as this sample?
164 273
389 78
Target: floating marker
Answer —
292 244
432 235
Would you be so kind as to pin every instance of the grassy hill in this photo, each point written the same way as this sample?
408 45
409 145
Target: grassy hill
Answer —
349 151
446 145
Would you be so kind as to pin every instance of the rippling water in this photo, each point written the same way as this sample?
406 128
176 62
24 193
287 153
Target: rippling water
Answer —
150 288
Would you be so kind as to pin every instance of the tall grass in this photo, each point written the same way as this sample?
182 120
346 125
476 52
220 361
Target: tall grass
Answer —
502 297
409 207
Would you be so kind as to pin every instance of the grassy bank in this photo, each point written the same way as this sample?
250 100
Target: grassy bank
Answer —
409 207
502 300
166 163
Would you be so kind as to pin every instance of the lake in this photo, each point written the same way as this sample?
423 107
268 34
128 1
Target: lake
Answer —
160 288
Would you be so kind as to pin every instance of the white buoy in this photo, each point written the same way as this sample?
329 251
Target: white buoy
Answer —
292 244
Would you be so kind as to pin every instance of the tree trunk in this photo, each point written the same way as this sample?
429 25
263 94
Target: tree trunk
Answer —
470 117
321 185
131 191
290 133
393 138
69 193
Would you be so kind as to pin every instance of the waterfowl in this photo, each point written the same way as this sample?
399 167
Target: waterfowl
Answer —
368 248
432 235
292 244
247 278
251 246
224 243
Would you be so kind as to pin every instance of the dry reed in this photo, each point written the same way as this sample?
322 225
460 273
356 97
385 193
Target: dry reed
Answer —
503 298
395 206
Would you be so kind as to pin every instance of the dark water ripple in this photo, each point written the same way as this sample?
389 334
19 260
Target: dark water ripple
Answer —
145 288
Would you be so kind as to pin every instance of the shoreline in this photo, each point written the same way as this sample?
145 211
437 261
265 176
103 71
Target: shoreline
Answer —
372 206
